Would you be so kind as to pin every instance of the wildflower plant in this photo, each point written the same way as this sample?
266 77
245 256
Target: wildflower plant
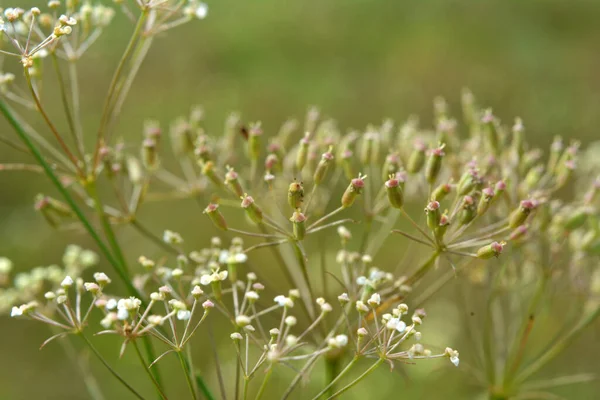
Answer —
488 210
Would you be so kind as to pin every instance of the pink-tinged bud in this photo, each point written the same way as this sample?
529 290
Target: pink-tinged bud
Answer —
417 157
434 164
233 183
487 195
395 193
493 249
354 189
295 195
212 210
272 162
518 233
500 187
433 215
441 229
208 305
323 167
519 216
299 224
441 192
252 210
491 132
565 172
149 154
468 210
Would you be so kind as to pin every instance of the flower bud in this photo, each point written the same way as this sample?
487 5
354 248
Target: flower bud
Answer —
518 216
295 195
233 183
149 154
468 211
417 158
302 154
433 215
252 210
441 229
212 210
434 164
518 233
254 134
209 170
323 167
346 163
491 250
390 166
491 133
485 201
441 192
394 192
468 182
272 163
369 148
518 138
299 225
354 189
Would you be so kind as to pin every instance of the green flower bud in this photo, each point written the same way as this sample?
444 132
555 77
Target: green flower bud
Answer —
302 154
433 215
295 195
391 165
434 164
394 192
519 233
354 189
486 200
209 170
233 183
518 216
149 154
491 132
468 211
518 139
493 249
254 135
272 163
212 210
441 229
346 162
417 158
323 167
299 225
468 182
252 210
441 192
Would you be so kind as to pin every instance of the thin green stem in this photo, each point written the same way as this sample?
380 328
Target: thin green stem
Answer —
186 372
263 385
422 270
110 369
143 362
337 378
360 378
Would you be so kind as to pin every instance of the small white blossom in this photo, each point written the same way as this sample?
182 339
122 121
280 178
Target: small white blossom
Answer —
183 315
284 301
111 304
214 277
397 324
291 320
344 298
291 340
225 257
361 307
242 320
67 282
374 300
5 265
155 320
236 336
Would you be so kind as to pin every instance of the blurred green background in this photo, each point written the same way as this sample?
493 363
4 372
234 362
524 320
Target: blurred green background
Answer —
359 61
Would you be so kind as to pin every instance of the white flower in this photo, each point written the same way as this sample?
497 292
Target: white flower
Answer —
122 314
374 300
172 237
453 355
225 257
201 11
177 304
397 324
67 282
291 320
252 296
16 311
130 304
183 315
454 360
197 292
344 298
338 341
157 296
208 304
361 307
284 301
236 336
361 280
291 340
294 293
176 273
91 287
242 320
214 277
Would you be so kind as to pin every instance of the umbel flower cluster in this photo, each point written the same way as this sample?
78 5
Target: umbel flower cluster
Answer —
480 208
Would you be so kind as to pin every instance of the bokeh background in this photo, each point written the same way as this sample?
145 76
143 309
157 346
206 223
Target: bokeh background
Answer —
359 61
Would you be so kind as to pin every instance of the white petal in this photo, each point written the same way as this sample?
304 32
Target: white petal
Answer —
122 314
183 315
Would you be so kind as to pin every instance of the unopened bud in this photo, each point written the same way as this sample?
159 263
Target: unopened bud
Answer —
299 224
417 158
295 195
233 183
354 189
487 195
491 250
433 215
302 154
519 215
212 210
441 192
252 210
323 167
434 164
394 193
